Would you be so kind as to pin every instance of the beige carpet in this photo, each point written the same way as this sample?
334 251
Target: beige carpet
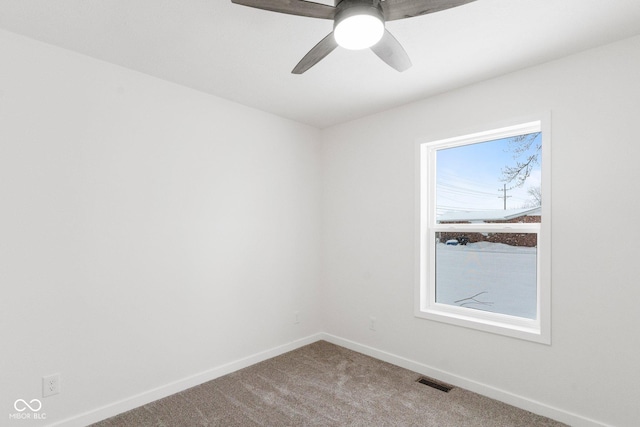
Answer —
324 385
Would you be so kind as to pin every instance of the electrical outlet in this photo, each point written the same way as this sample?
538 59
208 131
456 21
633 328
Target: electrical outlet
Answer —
372 323
296 317
50 385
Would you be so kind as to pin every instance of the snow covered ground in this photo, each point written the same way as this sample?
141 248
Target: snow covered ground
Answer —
487 276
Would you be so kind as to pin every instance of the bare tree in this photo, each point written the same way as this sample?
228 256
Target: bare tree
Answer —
536 195
536 198
526 151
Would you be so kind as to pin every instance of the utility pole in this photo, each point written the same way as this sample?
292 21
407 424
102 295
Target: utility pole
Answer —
504 195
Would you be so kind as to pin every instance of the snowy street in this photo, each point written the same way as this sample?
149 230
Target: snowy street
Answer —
487 276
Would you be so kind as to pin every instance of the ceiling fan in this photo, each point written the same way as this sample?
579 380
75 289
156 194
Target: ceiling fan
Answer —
357 24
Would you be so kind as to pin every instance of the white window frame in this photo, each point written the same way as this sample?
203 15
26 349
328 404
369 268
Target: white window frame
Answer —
426 307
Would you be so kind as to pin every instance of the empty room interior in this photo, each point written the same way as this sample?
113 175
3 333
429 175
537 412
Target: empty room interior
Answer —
178 205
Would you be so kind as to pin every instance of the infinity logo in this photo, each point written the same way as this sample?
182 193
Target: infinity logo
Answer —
21 403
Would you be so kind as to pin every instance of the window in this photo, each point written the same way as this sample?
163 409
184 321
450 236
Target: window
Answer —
484 231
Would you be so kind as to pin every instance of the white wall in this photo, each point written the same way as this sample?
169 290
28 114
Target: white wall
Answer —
148 232
591 369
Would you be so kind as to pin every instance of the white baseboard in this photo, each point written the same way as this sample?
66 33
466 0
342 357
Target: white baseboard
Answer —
149 396
476 387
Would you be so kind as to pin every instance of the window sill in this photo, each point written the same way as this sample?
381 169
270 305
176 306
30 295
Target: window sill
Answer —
525 329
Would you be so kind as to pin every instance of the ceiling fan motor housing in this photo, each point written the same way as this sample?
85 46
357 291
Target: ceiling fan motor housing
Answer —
347 8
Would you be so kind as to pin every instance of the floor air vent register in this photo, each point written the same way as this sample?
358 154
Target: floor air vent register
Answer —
435 384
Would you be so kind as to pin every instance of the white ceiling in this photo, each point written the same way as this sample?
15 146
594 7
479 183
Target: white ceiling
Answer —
246 55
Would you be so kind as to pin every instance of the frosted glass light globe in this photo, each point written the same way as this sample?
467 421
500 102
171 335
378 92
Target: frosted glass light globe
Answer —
358 31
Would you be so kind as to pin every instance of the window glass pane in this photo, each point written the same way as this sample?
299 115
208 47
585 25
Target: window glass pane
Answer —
494 272
490 181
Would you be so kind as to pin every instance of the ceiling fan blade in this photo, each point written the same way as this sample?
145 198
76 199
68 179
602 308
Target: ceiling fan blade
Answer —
315 55
390 51
400 9
292 7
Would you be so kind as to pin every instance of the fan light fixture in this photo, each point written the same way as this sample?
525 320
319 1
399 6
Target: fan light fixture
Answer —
358 27
357 24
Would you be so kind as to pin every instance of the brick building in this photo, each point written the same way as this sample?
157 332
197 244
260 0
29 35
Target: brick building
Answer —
528 215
